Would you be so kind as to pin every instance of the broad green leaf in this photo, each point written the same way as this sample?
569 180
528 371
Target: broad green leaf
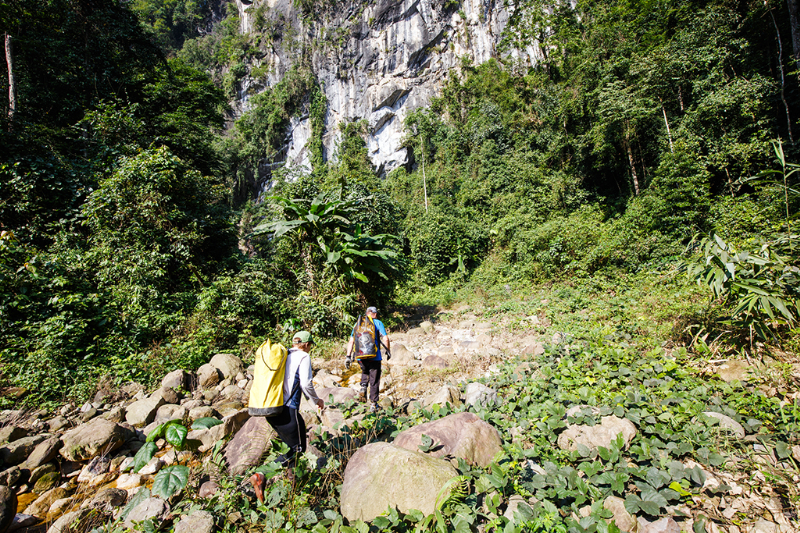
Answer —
157 433
206 422
141 495
176 435
143 456
783 450
170 480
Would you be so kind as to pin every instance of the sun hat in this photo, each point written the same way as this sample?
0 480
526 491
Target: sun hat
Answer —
303 336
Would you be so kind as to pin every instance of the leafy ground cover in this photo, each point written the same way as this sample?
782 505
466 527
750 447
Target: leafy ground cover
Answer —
680 463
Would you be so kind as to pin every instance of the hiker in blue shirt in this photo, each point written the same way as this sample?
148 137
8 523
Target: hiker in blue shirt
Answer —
370 366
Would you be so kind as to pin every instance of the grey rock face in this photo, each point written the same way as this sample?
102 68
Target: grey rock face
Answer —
15 452
479 394
142 412
380 475
249 444
197 522
150 508
228 364
89 440
207 376
44 452
462 435
177 379
12 433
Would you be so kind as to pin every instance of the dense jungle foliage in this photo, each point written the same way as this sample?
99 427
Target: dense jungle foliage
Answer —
133 241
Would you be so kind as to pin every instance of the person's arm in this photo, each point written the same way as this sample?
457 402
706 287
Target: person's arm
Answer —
384 337
349 348
306 383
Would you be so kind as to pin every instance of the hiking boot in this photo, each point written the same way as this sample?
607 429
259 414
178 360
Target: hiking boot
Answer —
362 394
259 481
373 408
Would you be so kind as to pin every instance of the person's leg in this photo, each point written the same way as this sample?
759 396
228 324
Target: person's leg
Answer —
364 380
286 426
374 381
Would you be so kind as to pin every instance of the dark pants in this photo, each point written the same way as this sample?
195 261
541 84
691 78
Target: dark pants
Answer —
371 374
291 428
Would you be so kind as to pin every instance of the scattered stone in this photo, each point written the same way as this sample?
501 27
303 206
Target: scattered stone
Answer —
205 439
96 467
177 379
116 414
60 506
150 508
602 434
208 489
57 424
12 433
382 475
248 445
401 355
480 395
142 412
44 452
514 503
10 476
62 525
21 521
88 415
47 482
129 481
228 364
107 499
426 326
169 412
90 440
728 423
446 394
42 470
622 518
229 408
340 395
462 435
733 370
202 411
41 505
168 394
664 525
153 466
434 361
17 451
207 376
197 522
8 507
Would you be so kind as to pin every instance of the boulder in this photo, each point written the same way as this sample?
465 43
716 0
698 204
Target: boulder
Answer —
107 499
17 451
208 489
36 473
129 481
117 414
727 423
197 522
207 376
340 395
8 507
44 452
12 433
41 505
58 423
380 475
150 508
602 434
61 505
169 412
426 326
401 355
177 379
228 364
434 361
515 502
168 394
478 394
22 521
229 408
621 517
325 379
142 412
462 435
62 525
96 467
10 476
90 440
47 482
733 370
248 445
202 411
446 394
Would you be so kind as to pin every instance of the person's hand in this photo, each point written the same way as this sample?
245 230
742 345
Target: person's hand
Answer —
320 404
347 362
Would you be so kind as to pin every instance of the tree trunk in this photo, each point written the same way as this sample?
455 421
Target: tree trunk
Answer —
795 25
669 134
633 168
12 93
424 180
783 81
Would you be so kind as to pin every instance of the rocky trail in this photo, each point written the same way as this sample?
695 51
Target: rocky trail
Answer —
83 467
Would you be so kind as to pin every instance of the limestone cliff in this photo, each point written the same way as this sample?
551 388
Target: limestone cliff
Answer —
376 61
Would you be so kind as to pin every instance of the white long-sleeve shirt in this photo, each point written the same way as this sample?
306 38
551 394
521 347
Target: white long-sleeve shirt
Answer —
298 368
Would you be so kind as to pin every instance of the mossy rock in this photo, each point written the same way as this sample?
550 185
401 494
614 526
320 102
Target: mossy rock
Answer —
47 482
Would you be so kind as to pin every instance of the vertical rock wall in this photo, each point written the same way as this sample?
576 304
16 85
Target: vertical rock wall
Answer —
377 61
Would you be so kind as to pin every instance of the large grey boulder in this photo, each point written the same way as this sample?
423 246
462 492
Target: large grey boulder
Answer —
228 364
207 376
733 370
602 434
44 452
401 355
444 395
142 412
248 445
17 451
177 379
197 522
462 435
727 423
12 433
170 411
64 523
380 475
91 439
434 361
340 395
480 395
8 507
150 508
42 504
